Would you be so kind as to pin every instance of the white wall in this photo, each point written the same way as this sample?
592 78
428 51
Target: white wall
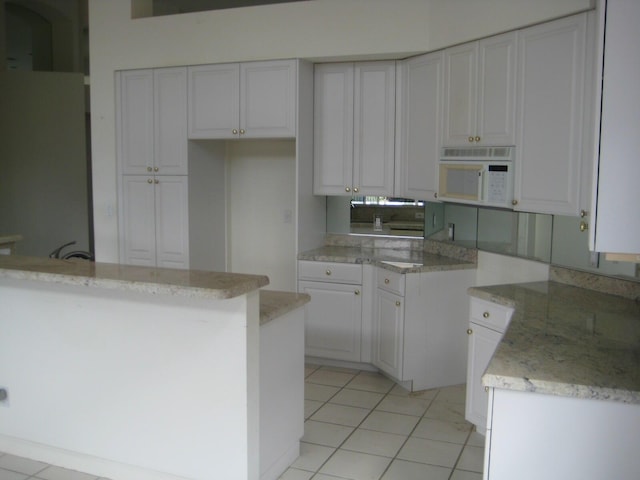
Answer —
314 29
261 177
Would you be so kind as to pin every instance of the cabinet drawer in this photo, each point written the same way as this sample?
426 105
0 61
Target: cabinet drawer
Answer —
330 272
391 281
490 314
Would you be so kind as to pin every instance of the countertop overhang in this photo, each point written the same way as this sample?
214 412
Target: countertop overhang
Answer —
153 280
565 340
421 261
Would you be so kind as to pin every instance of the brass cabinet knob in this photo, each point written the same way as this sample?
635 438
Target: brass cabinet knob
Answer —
156 181
485 314
584 226
148 169
477 139
514 202
242 131
398 303
583 213
356 189
470 139
234 131
486 389
469 331
347 189
435 195
357 292
328 272
386 281
155 169
149 180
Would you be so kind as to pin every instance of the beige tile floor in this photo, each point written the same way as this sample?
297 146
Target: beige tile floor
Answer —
358 426
361 426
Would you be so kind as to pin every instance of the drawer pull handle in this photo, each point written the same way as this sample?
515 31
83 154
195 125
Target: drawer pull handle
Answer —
398 303
485 314
328 272
386 281
357 292
469 331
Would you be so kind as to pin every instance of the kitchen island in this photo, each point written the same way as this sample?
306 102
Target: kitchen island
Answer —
564 384
139 372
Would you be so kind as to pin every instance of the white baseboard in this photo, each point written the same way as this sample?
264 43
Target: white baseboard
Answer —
278 467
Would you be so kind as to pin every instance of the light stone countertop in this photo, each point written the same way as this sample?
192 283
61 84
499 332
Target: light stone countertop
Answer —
157 281
426 262
274 304
568 341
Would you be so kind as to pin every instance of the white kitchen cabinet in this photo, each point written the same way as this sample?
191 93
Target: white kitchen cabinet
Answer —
388 349
354 128
487 323
152 115
418 126
243 100
616 193
419 325
479 92
552 71
333 317
155 221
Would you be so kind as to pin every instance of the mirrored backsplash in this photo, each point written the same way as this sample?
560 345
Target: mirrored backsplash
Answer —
551 239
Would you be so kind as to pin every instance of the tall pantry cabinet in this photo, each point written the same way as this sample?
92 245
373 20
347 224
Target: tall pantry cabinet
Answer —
152 148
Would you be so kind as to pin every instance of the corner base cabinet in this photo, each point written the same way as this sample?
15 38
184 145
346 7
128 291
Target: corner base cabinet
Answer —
419 325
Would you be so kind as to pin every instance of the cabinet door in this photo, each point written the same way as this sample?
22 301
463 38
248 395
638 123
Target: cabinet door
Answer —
482 344
214 99
138 210
268 99
617 193
460 92
419 126
389 333
170 121
333 129
135 118
374 128
551 72
172 221
497 90
333 320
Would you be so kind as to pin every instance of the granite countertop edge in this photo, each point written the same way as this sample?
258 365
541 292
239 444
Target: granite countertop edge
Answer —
424 262
156 281
514 368
275 304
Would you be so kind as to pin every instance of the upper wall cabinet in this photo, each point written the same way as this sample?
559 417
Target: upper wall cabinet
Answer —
245 100
551 112
354 128
479 92
152 121
418 126
617 193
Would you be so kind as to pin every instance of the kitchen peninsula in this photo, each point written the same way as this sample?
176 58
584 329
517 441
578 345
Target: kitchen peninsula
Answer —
564 382
147 373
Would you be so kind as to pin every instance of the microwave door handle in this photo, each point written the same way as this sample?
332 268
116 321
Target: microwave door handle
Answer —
481 181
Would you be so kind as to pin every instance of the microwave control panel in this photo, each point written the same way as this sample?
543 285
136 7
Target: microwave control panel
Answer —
498 184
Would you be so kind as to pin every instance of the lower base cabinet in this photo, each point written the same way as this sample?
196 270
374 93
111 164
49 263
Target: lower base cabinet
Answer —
487 323
419 325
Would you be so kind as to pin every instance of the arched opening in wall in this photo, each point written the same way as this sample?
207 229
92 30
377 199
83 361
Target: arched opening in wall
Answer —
29 39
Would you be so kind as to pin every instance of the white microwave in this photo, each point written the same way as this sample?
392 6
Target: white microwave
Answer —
477 176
